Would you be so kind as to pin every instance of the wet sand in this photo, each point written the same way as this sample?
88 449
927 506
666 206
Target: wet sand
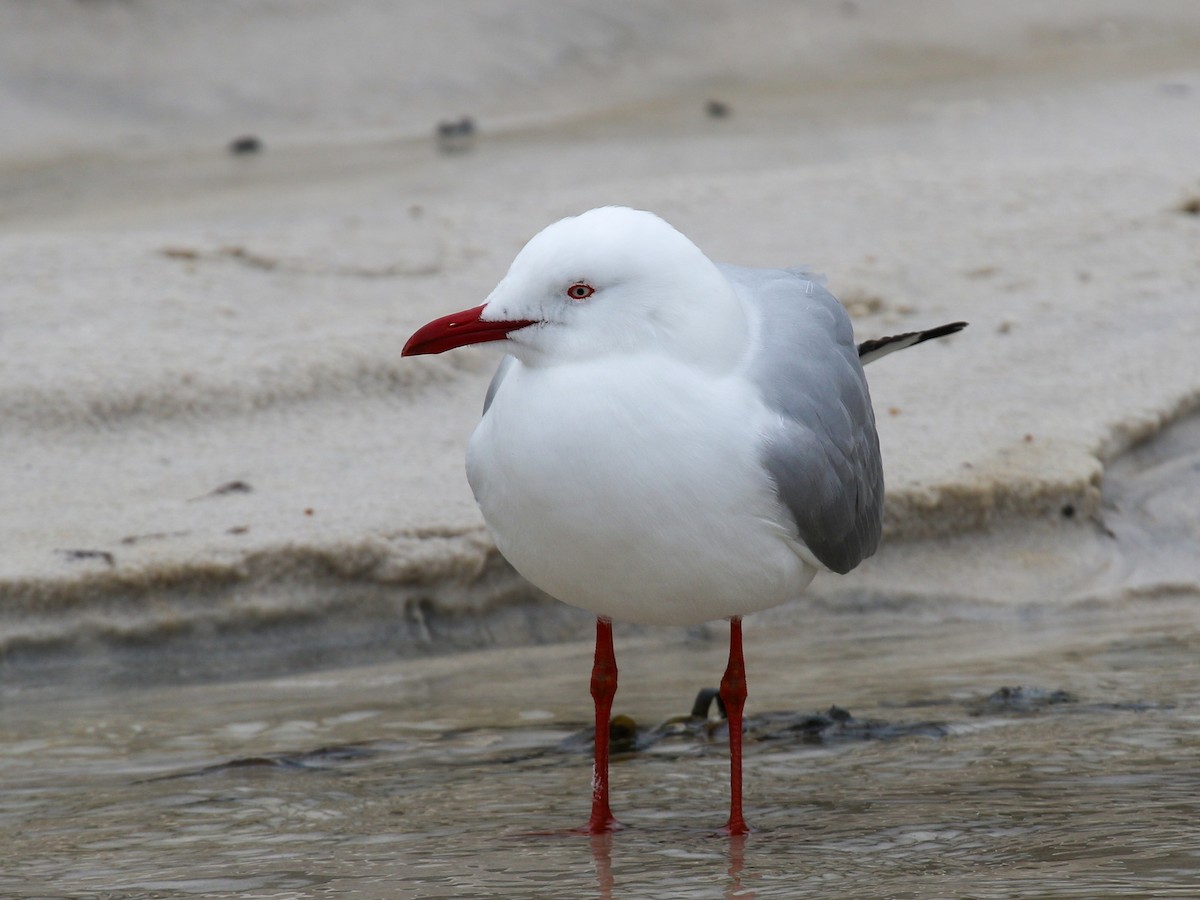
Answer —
223 488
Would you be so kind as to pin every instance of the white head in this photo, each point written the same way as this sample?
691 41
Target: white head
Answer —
610 281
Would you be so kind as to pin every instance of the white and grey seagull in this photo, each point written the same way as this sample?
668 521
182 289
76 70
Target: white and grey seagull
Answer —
669 440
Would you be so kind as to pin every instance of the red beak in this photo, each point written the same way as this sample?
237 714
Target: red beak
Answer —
457 330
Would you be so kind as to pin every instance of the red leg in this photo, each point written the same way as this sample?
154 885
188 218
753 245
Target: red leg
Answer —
733 695
604 688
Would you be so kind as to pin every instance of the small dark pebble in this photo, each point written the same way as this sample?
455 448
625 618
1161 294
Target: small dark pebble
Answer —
464 126
79 555
1068 511
715 109
245 145
456 136
132 539
1191 206
230 487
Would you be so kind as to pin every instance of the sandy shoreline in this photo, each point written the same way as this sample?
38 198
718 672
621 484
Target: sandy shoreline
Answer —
175 320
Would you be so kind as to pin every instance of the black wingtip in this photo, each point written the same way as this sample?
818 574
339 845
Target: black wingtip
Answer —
942 331
877 347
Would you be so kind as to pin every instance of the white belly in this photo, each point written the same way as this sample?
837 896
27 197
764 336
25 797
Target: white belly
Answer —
640 498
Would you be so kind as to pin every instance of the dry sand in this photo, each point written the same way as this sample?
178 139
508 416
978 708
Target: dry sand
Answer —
205 422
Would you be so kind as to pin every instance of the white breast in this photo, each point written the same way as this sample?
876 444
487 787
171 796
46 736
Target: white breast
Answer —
635 491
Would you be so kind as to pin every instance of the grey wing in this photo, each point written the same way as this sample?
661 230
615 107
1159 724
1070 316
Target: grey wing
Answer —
823 452
501 371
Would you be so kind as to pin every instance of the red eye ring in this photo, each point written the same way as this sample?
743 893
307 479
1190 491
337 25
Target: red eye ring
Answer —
580 291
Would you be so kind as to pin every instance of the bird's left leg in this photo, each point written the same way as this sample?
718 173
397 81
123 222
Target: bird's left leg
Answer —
733 695
604 688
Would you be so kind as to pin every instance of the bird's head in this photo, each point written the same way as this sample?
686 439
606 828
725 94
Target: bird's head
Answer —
610 281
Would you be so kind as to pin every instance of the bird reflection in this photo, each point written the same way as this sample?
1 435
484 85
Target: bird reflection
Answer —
602 863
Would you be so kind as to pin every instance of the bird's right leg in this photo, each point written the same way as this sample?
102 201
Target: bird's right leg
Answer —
733 695
604 688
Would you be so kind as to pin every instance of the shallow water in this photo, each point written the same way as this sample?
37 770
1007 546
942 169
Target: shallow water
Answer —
430 777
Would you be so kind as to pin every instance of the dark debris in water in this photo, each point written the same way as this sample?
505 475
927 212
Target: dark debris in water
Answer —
1020 700
835 725
704 702
320 760
703 726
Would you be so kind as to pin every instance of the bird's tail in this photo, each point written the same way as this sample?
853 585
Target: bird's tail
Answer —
869 351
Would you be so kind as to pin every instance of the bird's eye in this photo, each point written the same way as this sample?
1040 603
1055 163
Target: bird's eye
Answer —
580 291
